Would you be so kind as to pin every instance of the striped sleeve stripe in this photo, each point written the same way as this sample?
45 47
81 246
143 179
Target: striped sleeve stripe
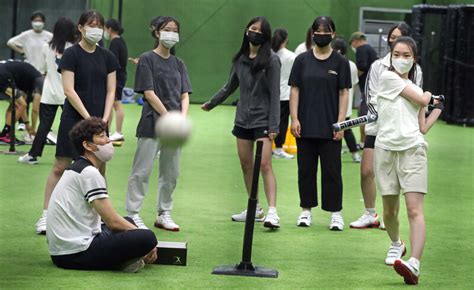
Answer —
372 109
96 189
88 196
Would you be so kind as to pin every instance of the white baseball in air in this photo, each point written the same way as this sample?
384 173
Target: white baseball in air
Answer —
173 129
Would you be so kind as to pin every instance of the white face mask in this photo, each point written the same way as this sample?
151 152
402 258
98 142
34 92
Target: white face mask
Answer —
169 38
37 25
104 152
93 34
354 49
106 35
402 65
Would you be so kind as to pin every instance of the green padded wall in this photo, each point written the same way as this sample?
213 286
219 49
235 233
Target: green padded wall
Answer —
211 30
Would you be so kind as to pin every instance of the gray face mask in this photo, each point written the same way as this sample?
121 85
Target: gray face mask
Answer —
104 152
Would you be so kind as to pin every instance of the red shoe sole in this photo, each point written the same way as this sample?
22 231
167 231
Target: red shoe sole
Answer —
163 228
403 271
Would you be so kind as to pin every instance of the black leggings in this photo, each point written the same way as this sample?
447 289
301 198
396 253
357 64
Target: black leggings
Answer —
109 250
350 139
284 115
47 114
329 151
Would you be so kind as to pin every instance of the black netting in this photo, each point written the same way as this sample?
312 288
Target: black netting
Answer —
446 53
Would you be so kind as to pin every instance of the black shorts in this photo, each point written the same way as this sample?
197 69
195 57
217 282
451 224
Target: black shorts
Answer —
119 89
64 147
362 111
250 134
37 89
369 142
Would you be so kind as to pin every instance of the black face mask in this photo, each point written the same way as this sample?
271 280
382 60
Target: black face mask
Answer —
322 40
255 38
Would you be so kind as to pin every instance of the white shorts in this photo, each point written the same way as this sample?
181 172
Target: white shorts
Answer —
405 171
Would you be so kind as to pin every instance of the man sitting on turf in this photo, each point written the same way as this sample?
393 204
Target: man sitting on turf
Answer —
76 237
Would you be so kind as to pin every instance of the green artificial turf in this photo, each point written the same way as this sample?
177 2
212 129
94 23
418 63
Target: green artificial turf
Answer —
210 189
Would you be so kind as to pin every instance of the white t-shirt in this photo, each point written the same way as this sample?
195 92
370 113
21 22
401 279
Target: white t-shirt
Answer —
287 58
32 43
300 48
71 221
398 127
355 82
371 89
53 90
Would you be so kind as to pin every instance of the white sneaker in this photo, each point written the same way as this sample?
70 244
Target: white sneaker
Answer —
51 138
272 221
366 221
337 222
382 225
27 159
409 270
133 266
28 138
356 157
164 221
116 136
281 154
241 217
41 225
304 219
21 127
138 221
394 253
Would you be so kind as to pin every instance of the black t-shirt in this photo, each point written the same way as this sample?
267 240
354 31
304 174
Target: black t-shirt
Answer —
90 78
365 56
319 82
119 48
22 74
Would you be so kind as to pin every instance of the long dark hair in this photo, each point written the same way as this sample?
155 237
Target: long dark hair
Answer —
280 35
90 16
157 23
338 44
309 38
410 42
264 53
115 25
405 30
64 31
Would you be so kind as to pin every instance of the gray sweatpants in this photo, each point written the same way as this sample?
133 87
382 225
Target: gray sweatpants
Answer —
147 148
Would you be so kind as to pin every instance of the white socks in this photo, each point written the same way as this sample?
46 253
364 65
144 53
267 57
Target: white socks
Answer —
371 211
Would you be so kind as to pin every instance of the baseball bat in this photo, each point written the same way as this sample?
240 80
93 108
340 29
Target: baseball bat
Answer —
344 125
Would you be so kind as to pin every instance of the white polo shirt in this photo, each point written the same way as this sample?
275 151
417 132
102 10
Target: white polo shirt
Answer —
32 42
71 222
398 127
287 58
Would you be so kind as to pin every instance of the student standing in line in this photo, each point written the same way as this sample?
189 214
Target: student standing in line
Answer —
319 81
88 74
365 56
114 31
370 218
256 70
84 230
29 43
53 93
400 158
340 46
164 81
287 57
